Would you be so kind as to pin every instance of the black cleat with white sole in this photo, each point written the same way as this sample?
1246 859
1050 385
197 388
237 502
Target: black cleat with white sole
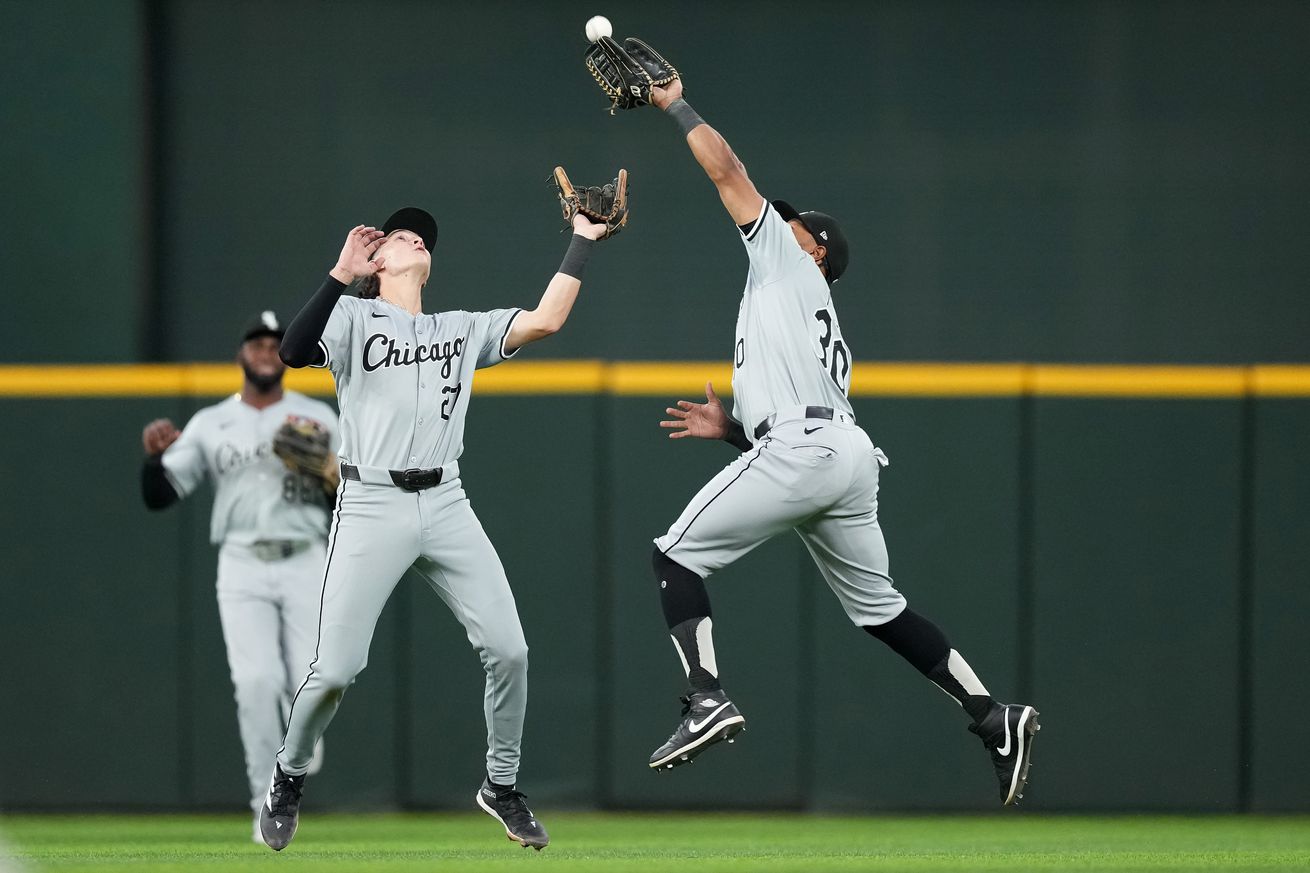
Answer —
1007 732
707 718
508 807
280 814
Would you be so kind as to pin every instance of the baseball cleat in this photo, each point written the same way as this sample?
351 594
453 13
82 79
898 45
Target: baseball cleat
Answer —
1007 732
707 717
280 814
507 806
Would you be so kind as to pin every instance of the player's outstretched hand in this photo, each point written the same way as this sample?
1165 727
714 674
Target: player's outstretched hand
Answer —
361 243
159 435
582 226
705 420
660 98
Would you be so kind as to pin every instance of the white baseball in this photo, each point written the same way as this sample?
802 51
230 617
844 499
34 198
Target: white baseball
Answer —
598 26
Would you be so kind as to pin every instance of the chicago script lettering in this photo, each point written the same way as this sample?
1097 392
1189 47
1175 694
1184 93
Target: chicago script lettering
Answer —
382 351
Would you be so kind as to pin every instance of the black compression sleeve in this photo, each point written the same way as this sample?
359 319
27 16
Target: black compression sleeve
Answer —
156 490
737 436
300 344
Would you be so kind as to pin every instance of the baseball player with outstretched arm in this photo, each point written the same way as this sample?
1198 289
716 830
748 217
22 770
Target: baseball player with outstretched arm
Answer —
403 380
804 465
270 524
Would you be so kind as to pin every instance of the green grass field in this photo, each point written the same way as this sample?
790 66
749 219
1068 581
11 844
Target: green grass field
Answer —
656 843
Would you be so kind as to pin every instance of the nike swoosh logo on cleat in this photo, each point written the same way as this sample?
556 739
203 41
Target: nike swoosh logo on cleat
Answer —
810 430
697 728
1004 750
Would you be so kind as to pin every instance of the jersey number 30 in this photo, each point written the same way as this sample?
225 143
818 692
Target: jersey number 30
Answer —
833 355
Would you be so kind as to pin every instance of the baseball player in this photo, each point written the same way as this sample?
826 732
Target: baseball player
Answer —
403 380
271 526
805 466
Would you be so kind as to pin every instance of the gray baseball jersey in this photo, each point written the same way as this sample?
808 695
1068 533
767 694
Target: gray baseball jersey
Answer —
789 349
403 380
255 496
816 476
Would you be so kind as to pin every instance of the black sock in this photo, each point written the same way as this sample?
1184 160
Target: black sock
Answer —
687 612
922 643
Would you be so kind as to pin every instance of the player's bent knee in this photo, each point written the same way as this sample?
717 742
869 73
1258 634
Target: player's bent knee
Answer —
668 570
511 657
334 679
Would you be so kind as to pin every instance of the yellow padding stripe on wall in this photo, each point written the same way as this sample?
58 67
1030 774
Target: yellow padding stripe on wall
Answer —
687 379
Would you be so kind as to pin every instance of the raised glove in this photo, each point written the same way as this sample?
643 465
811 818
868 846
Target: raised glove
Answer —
303 446
607 204
626 72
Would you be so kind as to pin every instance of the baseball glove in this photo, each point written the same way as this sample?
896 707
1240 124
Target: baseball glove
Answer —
302 444
626 72
606 204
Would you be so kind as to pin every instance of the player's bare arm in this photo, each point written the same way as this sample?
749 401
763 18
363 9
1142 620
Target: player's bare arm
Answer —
557 300
708 420
713 153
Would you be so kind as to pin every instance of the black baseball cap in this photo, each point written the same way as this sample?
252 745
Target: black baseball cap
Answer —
414 219
263 324
825 229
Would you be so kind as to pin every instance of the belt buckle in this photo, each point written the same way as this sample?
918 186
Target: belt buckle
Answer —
411 480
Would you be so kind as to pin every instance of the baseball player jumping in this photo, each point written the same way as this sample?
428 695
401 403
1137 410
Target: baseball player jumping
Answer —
271 524
805 464
403 380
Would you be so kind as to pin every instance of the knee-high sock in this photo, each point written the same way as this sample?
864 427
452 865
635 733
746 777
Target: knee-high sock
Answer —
687 612
922 643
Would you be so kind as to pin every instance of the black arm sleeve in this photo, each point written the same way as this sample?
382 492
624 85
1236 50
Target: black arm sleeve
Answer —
300 344
156 490
737 436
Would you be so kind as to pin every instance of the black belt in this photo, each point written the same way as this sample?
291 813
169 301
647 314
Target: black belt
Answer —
810 412
278 550
412 479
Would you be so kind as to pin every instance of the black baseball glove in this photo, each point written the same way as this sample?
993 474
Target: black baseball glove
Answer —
303 446
626 72
606 204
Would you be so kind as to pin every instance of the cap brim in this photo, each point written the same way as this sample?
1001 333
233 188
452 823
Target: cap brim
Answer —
413 219
263 331
786 211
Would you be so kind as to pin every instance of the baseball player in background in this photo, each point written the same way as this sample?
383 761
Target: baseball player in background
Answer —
403 381
270 524
805 466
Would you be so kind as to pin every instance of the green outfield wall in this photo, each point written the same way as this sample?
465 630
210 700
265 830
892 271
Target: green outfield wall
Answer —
1131 563
1073 181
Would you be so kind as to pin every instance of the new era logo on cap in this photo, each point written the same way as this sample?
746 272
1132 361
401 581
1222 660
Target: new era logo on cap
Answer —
824 234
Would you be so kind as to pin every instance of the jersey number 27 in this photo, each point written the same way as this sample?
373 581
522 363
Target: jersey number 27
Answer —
833 354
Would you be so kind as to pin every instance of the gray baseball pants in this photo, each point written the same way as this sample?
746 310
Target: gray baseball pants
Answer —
379 532
824 485
269 613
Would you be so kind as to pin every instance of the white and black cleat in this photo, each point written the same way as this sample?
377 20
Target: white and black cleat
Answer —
509 807
1007 732
707 718
280 815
